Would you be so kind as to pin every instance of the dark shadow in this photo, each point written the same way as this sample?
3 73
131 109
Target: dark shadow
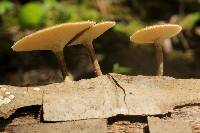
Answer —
131 118
186 105
24 111
168 114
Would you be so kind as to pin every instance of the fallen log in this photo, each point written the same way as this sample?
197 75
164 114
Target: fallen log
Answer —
183 119
112 94
105 96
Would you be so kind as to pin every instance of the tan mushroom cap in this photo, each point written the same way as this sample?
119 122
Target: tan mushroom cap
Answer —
53 38
94 32
155 33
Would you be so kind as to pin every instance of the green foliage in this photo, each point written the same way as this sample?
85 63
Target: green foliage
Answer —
55 14
72 13
50 3
189 21
129 28
5 6
9 21
32 14
89 14
120 69
78 13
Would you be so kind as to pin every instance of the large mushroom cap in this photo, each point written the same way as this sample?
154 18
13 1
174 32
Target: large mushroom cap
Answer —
53 38
94 32
155 33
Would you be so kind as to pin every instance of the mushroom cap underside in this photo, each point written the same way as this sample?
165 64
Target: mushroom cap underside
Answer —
154 33
52 38
94 32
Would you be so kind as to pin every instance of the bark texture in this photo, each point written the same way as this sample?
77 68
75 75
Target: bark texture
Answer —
172 104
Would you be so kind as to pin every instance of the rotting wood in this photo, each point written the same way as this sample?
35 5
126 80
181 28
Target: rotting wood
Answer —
183 119
82 126
101 97
157 125
106 96
95 98
22 97
148 95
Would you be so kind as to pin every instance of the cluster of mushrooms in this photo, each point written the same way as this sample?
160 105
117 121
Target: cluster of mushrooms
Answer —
57 37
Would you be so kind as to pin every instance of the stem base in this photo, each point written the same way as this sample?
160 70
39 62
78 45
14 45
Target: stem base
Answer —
93 58
61 62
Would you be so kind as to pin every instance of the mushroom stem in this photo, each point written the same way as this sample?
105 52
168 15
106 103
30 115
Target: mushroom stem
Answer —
159 56
61 62
93 57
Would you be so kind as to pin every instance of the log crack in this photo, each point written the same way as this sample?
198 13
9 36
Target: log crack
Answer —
118 85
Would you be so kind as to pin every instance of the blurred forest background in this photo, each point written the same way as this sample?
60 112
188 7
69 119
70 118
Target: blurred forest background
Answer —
114 50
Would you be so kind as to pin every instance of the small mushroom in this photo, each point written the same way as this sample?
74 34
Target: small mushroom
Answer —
87 38
54 38
156 34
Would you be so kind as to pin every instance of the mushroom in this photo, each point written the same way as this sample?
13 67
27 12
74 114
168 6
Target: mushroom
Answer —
156 34
54 38
87 38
